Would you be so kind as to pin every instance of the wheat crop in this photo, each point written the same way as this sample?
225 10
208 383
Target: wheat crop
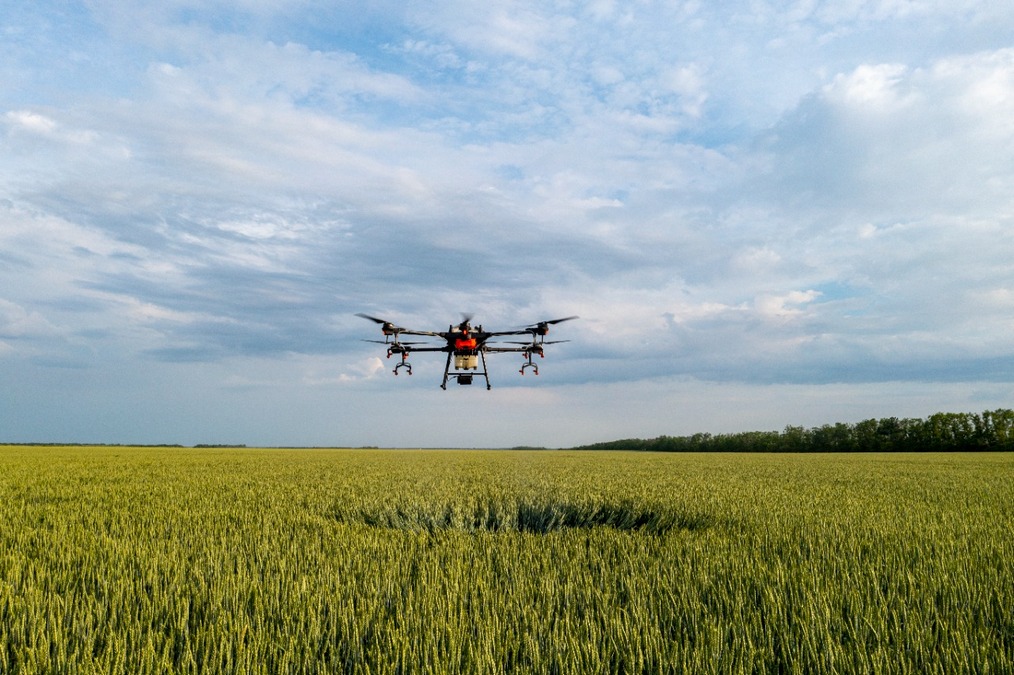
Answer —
174 560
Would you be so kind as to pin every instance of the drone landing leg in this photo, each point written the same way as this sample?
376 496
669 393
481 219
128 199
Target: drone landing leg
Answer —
485 370
447 368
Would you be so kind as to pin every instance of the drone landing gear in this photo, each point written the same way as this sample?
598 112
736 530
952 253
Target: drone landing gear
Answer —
464 377
529 364
404 364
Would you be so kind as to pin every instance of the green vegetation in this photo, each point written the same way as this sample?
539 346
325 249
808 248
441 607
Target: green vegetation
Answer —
990 431
145 560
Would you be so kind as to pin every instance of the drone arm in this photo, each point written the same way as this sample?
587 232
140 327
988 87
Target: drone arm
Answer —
523 331
428 333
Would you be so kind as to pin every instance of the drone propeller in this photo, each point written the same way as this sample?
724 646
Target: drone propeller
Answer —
551 322
384 322
396 347
542 327
382 342
386 327
373 319
534 344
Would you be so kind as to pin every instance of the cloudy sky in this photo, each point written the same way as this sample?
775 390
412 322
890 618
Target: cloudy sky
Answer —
765 213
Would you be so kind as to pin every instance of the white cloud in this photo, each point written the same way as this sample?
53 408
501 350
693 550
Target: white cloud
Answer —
18 322
40 125
30 121
367 369
870 87
782 306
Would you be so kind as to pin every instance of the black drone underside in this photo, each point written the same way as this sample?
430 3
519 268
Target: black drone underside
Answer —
466 346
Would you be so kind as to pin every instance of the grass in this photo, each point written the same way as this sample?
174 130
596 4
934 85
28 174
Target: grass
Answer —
140 560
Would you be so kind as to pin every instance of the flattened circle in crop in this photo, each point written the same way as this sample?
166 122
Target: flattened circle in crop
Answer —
539 517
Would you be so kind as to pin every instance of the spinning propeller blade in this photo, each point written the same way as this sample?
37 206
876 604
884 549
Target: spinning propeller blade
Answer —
517 342
542 327
382 342
551 322
371 318
387 327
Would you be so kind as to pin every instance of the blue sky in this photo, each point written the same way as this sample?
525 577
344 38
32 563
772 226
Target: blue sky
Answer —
764 213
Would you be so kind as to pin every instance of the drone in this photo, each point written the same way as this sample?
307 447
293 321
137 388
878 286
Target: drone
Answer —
466 346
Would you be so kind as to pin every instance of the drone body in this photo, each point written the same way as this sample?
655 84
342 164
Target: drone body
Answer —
466 345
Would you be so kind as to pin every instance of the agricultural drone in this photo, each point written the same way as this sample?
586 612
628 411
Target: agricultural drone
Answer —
467 346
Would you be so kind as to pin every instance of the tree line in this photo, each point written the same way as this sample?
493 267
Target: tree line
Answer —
992 430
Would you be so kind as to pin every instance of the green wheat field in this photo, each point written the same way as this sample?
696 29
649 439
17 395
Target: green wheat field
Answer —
178 560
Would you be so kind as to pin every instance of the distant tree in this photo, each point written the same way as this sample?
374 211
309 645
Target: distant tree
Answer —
833 438
998 428
794 439
943 432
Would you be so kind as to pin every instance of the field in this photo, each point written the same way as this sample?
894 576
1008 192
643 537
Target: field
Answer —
148 560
